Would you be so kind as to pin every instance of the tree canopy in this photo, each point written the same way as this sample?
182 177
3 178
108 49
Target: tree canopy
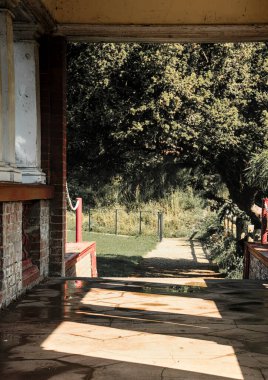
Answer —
141 111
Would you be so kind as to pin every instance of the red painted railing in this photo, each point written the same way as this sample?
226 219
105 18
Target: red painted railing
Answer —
264 224
79 220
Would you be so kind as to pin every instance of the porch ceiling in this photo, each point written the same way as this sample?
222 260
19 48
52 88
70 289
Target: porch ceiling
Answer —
153 12
145 21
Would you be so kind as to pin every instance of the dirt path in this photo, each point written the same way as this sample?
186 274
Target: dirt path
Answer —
178 257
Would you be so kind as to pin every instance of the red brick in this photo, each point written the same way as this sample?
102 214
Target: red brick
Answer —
53 119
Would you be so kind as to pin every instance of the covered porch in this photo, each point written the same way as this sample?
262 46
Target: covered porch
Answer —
77 327
33 38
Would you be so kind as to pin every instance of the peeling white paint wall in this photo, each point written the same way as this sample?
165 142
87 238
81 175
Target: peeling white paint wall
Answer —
28 139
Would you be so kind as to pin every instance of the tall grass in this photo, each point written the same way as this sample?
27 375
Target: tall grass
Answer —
183 212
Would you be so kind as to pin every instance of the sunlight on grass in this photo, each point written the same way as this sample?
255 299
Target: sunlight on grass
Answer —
118 255
118 245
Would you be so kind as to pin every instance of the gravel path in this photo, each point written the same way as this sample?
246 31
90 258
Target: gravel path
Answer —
179 257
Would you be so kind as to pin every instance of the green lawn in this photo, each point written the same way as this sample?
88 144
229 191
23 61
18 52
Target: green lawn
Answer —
118 256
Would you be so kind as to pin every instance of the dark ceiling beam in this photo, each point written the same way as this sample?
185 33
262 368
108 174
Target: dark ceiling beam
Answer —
30 13
165 33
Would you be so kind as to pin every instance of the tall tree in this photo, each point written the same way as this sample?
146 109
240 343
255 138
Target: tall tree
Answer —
142 107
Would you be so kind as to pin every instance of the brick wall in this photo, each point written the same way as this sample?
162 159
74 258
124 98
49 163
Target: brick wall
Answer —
10 251
53 123
18 235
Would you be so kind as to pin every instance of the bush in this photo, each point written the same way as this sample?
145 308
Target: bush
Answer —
224 251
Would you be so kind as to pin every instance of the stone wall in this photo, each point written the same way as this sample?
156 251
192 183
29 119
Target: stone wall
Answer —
44 238
257 270
10 251
24 247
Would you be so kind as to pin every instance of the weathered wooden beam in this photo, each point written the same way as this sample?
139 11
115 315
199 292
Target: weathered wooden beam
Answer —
39 14
165 33
23 192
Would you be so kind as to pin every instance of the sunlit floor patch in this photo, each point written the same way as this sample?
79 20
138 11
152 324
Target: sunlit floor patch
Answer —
153 303
181 353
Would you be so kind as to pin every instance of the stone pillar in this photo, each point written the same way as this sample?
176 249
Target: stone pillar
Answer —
27 108
53 122
8 170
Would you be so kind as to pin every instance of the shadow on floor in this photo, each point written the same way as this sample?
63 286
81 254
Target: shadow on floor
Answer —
67 329
136 266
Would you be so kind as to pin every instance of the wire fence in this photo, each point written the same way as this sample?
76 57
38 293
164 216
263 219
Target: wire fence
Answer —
121 222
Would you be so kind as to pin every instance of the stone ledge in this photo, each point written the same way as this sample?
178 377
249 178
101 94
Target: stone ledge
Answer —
256 261
260 251
76 252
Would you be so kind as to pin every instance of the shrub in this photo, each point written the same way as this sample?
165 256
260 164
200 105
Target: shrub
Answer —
224 251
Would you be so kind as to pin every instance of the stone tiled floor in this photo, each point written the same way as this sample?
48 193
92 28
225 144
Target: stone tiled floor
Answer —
137 329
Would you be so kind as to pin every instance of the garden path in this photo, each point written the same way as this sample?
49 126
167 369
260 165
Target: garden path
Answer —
179 257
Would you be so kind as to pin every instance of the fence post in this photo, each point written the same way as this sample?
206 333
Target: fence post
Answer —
239 228
225 226
233 224
140 224
228 225
160 225
79 216
116 222
250 236
158 228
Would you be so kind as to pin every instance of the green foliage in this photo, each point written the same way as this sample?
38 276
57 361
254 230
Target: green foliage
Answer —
224 251
257 171
209 226
139 112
